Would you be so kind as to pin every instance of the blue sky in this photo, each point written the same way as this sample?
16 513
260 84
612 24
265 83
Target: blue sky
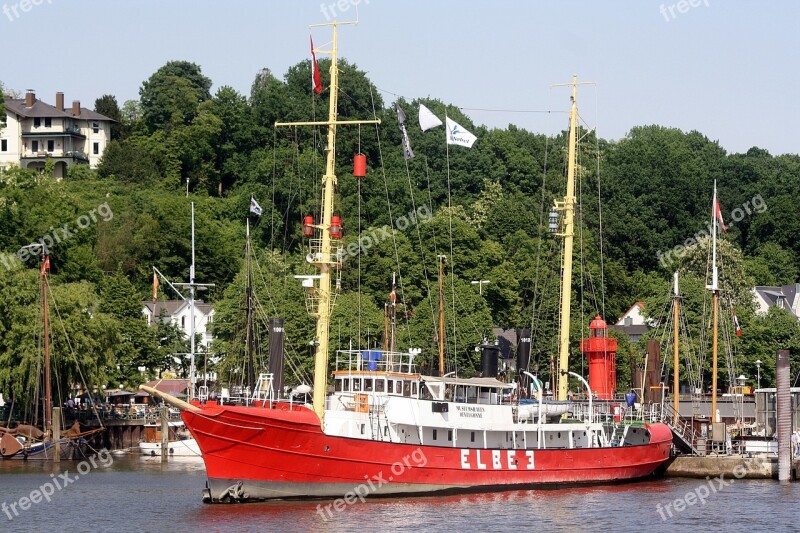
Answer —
728 69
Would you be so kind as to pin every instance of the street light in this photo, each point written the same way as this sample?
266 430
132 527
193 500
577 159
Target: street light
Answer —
758 371
480 283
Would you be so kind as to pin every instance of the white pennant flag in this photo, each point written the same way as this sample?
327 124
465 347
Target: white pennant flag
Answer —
427 119
255 208
458 135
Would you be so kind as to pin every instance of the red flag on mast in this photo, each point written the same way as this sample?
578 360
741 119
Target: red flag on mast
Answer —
155 286
316 79
45 265
718 214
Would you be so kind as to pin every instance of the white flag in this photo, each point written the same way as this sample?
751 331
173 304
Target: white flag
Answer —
254 207
458 135
427 119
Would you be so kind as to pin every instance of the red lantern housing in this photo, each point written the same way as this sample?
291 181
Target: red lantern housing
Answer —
336 227
308 226
601 351
360 166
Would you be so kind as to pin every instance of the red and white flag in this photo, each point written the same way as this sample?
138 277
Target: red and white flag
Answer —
736 324
155 286
45 265
316 79
718 214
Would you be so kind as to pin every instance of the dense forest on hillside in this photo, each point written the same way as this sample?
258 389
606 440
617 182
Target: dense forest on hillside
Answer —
485 208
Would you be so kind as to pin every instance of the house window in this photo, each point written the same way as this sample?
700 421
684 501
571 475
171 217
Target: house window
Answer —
48 122
4 145
34 146
96 127
51 145
37 122
96 148
183 322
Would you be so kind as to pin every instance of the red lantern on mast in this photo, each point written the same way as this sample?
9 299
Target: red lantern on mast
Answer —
336 227
308 226
360 166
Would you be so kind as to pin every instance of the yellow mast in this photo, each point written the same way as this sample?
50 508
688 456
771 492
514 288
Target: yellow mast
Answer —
323 259
568 207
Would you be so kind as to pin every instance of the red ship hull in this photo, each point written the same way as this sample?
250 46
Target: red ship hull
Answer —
255 453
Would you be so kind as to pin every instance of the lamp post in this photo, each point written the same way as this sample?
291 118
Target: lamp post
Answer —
480 283
758 372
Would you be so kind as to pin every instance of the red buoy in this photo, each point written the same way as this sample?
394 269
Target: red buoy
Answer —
360 166
336 227
308 226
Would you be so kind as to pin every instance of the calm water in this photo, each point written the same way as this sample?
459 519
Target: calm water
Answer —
137 494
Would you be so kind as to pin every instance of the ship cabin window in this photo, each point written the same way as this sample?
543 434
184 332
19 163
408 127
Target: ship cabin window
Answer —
414 390
472 436
434 434
406 388
379 384
368 384
338 385
356 384
450 434
398 387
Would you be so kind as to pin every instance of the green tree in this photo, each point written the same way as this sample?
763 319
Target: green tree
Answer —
107 105
171 96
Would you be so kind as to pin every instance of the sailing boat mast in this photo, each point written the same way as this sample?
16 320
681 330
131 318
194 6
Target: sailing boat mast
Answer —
251 373
714 288
322 258
48 393
675 351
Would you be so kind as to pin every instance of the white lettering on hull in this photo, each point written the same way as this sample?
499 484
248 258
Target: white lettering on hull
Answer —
479 459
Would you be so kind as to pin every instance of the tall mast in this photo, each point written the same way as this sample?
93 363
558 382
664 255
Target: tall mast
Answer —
393 332
48 393
568 207
251 371
441 314
675 350
191 319
322 258
714 287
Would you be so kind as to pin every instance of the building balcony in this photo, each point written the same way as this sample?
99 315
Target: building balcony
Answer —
68 132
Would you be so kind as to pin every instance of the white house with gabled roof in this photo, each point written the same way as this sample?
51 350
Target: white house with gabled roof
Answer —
36 132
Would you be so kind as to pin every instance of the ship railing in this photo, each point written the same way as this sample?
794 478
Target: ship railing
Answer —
376 361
